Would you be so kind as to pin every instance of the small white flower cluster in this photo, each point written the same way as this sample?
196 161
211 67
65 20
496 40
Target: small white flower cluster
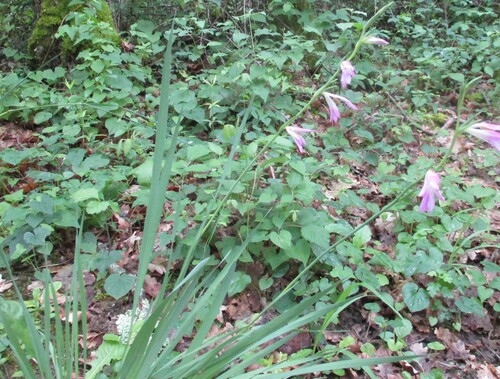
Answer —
123 320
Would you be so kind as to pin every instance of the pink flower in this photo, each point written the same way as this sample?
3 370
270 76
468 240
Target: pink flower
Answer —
372 40
348 72
487 132
332 101
295 133
430 191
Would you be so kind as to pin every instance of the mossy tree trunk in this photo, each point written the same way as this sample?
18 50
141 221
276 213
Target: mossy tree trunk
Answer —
43 45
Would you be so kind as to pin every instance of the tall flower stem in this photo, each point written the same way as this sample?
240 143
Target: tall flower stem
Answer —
458 122
292 119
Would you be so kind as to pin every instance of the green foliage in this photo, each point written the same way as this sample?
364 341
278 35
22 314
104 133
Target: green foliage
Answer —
447 43
327 224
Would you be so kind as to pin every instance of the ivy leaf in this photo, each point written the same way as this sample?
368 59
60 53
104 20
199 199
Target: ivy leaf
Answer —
95 207
415 298
316 234
238 283
265 283
457 76
92 163
402 327
84 194
468 305
38 236
301 251
362 237
340 228
282 240
239 36
110 349
118 285
97 66
436 346
42 117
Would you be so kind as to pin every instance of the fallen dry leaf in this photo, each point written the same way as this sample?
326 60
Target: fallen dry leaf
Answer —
4 284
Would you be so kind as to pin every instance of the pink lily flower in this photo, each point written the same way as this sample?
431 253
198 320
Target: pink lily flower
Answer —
372 40
348 72
332 101
430 191
486 131
295 133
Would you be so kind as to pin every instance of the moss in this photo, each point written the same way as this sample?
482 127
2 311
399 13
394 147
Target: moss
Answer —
42 43
439 118
43 46
477 97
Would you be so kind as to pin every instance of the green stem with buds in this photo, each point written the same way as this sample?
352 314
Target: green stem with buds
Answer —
458 129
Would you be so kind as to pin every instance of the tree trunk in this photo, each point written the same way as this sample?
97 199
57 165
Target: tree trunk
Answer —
44 46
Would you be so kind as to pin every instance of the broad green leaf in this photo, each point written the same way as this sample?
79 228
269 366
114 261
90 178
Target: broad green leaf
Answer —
402 327
42 117
340 228
239 36
239 282
94 206
469 305
301 251
118 82
316 234
294 179
364 274
84 194
267 196
92 163
109 350
144 172
197 151
457 77
116 126
362 237
344 25
118 285
312 29
44 203
71 130
415 298
282 240
262 91
97 65
436 345
38 236
346 342
265 283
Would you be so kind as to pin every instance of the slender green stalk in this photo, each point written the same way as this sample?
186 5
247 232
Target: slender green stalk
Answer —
458 130
162 166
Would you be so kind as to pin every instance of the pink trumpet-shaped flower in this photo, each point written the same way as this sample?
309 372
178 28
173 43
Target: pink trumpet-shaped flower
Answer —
372 40
348 72
486 131
295 133
332 100
430 191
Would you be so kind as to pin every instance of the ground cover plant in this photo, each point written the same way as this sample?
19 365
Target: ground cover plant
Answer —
297 189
